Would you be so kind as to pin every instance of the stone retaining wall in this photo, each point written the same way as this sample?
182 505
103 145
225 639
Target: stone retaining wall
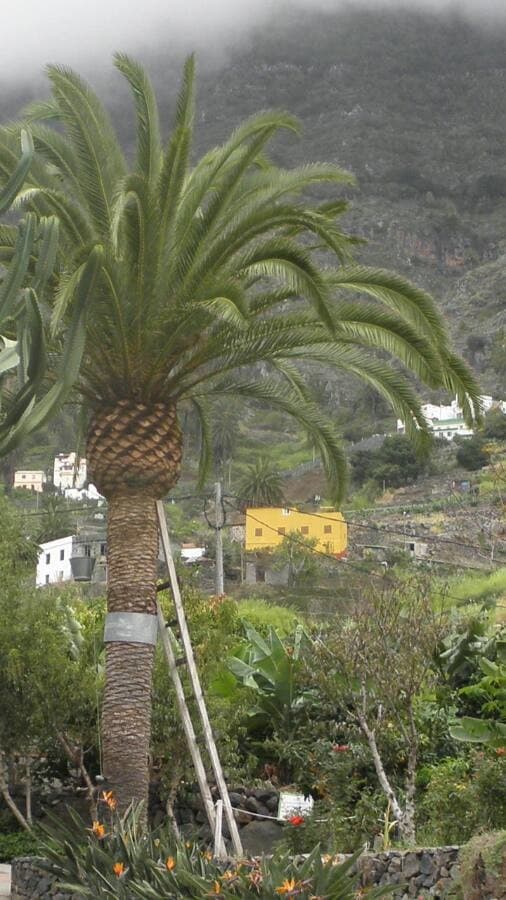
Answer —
29 881
422 874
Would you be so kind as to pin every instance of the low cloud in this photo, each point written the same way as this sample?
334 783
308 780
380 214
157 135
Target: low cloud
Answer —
85 33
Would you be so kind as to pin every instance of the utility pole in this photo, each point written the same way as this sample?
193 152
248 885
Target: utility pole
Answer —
219 584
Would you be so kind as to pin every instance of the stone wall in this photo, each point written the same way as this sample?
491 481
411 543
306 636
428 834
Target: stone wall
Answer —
29 881
420 873
427 872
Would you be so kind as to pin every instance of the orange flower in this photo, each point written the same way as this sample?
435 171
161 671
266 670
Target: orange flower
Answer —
501 751
109 798
255 878
171 863
98 829
216 889
208 855
118 869
287 887
296 821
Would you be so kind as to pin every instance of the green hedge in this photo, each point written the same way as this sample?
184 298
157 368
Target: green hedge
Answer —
17 843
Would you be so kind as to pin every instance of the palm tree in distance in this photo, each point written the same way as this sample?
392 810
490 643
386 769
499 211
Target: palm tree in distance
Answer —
173 285
261 485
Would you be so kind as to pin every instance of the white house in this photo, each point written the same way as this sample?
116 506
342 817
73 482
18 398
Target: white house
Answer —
89 493
69 471
30 479
53 565
448 421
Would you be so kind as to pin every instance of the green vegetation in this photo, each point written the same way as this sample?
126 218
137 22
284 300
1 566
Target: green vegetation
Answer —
116 860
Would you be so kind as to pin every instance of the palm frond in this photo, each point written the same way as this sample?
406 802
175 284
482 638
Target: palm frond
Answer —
149 152
314 422
8 191
410 302
93 140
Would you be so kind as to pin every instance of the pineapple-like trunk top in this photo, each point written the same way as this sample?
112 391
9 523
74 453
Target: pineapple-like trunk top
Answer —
134 447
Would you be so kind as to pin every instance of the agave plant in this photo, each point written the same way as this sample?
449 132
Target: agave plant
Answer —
27 257
174 281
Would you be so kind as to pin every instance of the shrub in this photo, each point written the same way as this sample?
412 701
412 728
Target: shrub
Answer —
17 843
462 796
471 455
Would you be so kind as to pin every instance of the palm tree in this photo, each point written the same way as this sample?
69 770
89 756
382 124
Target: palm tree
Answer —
172 288
261 484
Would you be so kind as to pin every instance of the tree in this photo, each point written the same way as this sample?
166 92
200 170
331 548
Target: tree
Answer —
261 485
297 552
55 520
494 426
172 285
382 660
395 463
471 455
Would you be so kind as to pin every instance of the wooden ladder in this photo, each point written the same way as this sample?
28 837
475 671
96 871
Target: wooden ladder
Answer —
214 815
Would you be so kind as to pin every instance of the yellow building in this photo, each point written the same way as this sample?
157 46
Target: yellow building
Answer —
266 527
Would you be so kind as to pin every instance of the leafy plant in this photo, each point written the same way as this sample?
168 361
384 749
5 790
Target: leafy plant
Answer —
490 691
118 859
267 666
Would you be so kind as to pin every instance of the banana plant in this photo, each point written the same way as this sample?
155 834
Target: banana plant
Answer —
491 691
268 666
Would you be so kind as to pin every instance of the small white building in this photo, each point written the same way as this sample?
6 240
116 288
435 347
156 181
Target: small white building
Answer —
448 421
30 479
190 553
53 565
69 471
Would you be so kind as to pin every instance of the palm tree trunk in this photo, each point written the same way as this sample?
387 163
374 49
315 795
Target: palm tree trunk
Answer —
132 551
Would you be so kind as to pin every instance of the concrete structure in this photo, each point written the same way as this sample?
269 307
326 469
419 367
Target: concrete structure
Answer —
53 565
190 553
267 526
448 421
30 479
69 471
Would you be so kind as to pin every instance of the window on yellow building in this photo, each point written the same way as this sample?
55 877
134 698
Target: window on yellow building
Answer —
327 529
281 530
258 532
304 529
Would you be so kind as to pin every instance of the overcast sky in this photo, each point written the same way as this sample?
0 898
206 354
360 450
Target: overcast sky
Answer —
86 32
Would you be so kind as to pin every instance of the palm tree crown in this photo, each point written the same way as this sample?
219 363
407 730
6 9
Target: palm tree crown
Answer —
174 279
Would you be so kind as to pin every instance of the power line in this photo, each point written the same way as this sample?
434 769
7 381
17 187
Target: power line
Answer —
422 537
347 563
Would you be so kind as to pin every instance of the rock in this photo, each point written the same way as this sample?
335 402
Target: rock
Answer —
411 865
242 817
236 799
272 803
260 837
254 805
427 865
264 794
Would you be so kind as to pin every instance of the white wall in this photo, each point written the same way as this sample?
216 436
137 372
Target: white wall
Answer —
51 568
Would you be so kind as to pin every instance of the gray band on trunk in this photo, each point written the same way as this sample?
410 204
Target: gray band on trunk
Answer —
131 628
